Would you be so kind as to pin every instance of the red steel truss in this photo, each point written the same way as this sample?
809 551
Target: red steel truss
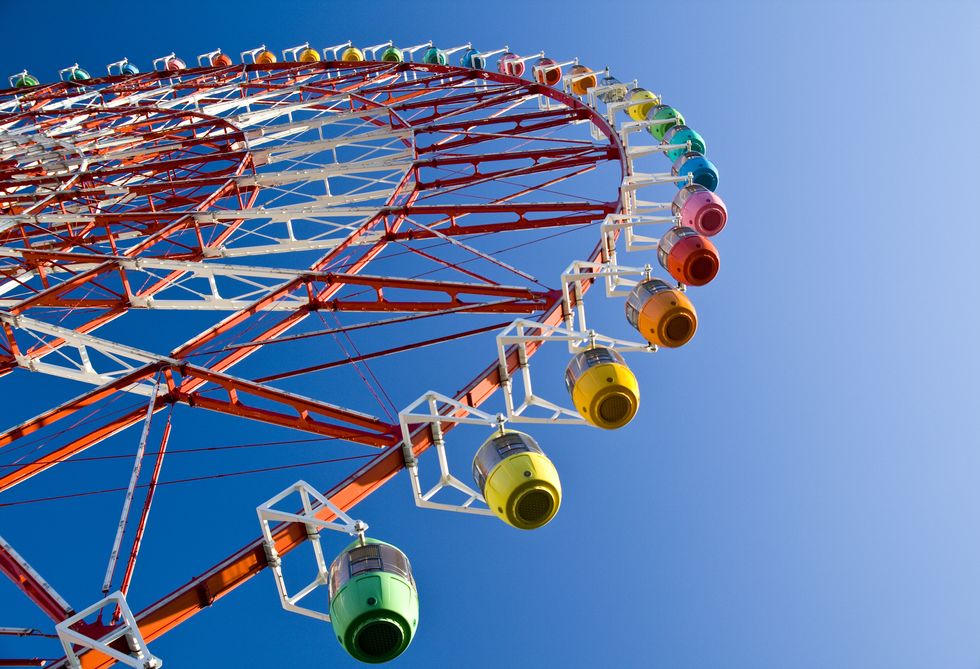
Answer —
120 193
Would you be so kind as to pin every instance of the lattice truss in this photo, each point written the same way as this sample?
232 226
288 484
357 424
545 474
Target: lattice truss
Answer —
267 242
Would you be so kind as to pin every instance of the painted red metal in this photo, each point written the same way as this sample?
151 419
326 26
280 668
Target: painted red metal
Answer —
145 513
18 571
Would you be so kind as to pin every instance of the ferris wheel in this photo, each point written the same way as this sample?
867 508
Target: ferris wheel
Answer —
363 247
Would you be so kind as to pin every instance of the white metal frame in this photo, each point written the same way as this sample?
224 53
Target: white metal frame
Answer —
613 108
162 61
13 77
522 332
70 70
26 566
294 52
333 51
119 64
614 277
140 657
130 491
209 57
252 53
544 102
456 49
593 99
572 77
373 49
522 60
409 52
557 66
483 55
313 502
636 180
627 224
426 410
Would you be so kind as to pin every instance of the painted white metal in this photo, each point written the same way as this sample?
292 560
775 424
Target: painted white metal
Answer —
126 628
616 280
593 99
292 53
324 220
13 77
126 358
495 52
67 71
130 491
162 62
409 52
19 631
371 52
252 53
207 59
118 66
313 503
332 50
433 409
529 407
624 227
26 566
637 180
81 368
240 285
545 102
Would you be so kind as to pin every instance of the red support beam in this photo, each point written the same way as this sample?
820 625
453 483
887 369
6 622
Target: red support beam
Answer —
14 567
185 383
145 513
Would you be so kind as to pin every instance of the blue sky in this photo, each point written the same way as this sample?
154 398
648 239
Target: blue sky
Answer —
800 487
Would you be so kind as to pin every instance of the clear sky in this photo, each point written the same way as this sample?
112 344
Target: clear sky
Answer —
800 489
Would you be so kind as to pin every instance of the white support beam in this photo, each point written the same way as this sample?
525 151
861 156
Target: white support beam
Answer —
522 332
431 410
127 628
313 503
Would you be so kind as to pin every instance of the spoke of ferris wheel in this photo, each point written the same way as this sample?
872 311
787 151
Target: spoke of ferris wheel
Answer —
25 577
240 272
244 119
237 102
395 161
83 368
163 94
332 232
130 360
303 414
215 300
275 154
303 213
257 133
323 206
329 240
331 143
335 232
299 293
